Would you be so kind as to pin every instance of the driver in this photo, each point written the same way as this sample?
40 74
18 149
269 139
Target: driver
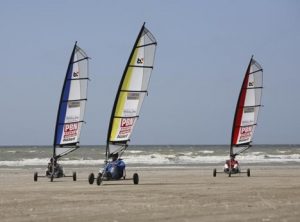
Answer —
231 164
116 168
58 170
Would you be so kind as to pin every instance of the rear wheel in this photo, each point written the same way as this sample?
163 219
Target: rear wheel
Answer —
51 178
215 172
74 176
135 178
35 176
248 172
99 179
91 178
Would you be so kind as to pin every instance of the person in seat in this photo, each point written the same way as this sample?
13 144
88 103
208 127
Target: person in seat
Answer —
115 169
58 170
231 165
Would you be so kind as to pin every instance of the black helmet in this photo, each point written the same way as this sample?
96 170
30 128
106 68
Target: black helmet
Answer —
115 155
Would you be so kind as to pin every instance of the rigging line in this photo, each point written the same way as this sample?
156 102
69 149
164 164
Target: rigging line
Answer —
249 106
260 70
245 125
137 91
258 87
153 43
79 79
71 122
79 60
119 142
130 117
147 67
243 144
74 100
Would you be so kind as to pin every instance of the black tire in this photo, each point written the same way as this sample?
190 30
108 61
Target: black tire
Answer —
215 173
91 178
135 178
248 172
51 178
35 176
74 176
99 179
229 174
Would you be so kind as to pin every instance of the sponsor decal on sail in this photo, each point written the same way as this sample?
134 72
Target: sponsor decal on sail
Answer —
133 96
70 119
70 131
73 104
245 133
126 127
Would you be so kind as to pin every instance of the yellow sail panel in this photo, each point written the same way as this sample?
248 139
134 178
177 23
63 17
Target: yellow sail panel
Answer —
116 128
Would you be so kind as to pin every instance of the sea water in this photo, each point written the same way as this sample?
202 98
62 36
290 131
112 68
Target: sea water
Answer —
151 155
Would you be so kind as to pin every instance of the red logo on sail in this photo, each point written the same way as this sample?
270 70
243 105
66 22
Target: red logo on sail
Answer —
70 131
245 133
126 126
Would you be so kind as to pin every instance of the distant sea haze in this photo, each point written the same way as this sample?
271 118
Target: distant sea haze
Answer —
151 155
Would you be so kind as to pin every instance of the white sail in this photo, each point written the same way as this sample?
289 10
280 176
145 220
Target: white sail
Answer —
247 109
72 104
132 90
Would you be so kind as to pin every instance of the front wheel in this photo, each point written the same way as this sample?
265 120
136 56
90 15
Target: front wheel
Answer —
248 172
99 179
215 173
51 178
74 176
135 178
229 174
91 178
35 176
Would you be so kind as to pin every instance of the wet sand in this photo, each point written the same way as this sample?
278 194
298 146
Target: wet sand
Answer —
183 194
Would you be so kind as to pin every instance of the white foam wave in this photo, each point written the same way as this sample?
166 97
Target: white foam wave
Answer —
159 159
206 151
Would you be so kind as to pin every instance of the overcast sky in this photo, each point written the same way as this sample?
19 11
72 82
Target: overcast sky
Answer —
203 50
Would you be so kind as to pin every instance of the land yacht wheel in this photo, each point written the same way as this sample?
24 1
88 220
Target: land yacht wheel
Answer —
91 178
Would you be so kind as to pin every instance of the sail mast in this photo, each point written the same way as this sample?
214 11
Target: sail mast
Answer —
61 98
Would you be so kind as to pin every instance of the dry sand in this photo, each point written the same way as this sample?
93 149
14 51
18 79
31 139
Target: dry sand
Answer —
183 194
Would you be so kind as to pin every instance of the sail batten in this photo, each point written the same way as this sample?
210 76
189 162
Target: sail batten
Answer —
132 89
70 116
247 109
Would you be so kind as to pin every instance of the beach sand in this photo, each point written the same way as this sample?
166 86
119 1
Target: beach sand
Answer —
182 194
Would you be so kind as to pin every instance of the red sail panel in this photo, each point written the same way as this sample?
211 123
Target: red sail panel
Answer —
240 109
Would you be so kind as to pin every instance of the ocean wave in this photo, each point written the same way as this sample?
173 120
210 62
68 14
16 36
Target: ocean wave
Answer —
160 159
